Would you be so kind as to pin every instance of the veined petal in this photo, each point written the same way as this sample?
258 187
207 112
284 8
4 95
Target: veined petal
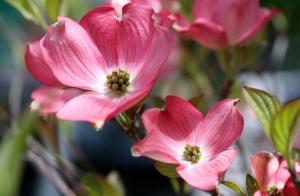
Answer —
72 56
37 66
282 175
158 146
264 166
169 130
120 39
153 58
262 18
206 174
240 15
50 99
98 108
221 127
210 34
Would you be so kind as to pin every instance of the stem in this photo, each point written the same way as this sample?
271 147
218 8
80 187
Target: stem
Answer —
50 173
181 191
228 84
215 192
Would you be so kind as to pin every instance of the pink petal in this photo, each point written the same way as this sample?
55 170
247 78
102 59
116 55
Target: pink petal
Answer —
240 15
164 18
50 99
210 34
169 130
205 8
158 146
121 39
154 56
264 166
260 193
282 175
206 174
37 66
72 56
221 127
262 18
98 108
155 4
181 23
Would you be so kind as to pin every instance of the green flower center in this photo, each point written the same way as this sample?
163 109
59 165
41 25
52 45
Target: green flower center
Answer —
191 153
118 81
273 191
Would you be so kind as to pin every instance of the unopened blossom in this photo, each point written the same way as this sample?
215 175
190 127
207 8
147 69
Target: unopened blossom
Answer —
222 23
114 60
270 172
51 97
200 146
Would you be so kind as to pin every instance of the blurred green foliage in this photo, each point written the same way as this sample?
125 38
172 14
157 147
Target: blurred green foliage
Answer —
12 154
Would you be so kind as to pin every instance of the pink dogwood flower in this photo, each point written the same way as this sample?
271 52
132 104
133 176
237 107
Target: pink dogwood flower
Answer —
180 134
270 172
222 23
113 59
50 98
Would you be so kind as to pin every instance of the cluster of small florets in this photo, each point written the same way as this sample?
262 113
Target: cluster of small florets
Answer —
191 153
118 81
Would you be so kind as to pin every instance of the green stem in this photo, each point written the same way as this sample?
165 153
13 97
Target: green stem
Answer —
181 191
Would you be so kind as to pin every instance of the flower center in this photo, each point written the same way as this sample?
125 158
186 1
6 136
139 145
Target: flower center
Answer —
273 191
191 153
118 81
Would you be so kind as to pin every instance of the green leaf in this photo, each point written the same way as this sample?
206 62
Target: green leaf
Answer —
166 169
52 8
251 184
234 187
30 10
284 128
264 105
96 185
12 153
